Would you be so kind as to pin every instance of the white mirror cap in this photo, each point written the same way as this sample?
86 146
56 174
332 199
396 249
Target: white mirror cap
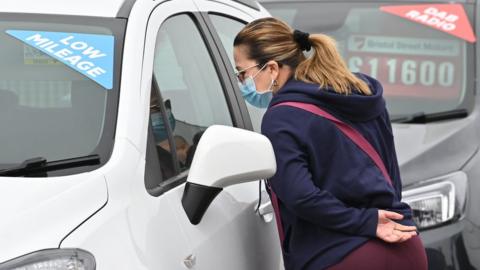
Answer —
226 156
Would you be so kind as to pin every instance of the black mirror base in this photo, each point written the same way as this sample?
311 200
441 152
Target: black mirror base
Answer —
196 199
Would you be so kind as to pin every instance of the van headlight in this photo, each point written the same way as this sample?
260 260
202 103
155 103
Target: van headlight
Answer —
437 201
52 259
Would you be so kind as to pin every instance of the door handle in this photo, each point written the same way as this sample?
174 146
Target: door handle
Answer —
190 261
265 209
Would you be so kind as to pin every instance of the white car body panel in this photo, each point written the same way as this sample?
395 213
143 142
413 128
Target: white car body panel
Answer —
38 213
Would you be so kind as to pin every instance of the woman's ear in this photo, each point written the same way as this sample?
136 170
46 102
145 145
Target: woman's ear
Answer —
273 68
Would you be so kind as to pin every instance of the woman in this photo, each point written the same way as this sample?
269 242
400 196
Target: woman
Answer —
336 208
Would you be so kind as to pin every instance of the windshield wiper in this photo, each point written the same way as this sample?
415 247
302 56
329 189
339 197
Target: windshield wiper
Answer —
422 118
37 167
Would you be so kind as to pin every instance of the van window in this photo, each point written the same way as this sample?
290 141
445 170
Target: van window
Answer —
421 69
227 28
187 98
48 109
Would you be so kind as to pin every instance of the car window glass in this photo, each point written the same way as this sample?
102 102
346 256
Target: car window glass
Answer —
47 108
421 69
190 97
227 28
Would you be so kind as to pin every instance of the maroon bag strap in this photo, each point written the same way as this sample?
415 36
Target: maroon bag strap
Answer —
278 219
349 131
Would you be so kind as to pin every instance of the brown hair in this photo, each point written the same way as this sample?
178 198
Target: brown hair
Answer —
272 39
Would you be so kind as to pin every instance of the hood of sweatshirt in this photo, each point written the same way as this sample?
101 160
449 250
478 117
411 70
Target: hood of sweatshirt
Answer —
354 107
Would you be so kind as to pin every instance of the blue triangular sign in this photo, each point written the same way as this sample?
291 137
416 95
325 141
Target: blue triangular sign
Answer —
89 54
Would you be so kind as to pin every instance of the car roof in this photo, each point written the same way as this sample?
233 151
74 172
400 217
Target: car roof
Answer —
98 8
367 1
95 8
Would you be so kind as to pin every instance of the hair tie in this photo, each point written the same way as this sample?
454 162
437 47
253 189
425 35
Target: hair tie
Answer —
302 39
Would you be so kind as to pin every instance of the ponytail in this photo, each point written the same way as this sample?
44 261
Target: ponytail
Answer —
326 67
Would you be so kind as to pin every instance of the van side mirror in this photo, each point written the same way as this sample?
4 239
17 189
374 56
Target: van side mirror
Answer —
225 156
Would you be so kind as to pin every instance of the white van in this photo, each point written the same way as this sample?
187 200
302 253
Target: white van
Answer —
102 106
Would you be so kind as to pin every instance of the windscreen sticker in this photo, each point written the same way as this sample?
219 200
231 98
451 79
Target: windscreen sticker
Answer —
89 54
410 67
448 18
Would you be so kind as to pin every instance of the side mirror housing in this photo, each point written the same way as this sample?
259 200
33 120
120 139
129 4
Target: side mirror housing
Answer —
225 156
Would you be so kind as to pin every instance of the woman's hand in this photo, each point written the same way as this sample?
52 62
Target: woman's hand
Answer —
393 232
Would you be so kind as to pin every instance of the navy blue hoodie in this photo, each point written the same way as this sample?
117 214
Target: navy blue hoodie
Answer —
329 190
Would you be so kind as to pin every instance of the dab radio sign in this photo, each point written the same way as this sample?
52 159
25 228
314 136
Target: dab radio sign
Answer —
448 18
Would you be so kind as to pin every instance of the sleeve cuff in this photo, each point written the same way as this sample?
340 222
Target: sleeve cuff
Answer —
371 222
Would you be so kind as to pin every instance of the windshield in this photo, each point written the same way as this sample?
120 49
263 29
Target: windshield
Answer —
58 87
422 69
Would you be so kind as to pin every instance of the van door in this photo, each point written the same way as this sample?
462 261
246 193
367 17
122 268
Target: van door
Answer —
191 90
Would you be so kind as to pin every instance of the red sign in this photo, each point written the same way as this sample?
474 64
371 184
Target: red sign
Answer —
448 18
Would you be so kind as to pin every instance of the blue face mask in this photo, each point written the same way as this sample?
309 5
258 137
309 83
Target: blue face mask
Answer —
158 126
252 96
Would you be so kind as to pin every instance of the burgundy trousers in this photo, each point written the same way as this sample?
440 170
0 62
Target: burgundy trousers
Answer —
379 255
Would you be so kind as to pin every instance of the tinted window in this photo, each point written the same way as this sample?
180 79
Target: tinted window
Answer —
190 96
48 109
227 28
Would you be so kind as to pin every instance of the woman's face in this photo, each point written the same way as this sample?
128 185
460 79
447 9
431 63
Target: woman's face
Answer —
250 68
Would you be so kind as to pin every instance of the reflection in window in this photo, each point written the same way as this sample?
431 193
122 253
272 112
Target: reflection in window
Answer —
189 96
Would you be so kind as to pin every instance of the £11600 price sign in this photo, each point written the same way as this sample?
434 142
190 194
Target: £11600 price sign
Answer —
409 67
